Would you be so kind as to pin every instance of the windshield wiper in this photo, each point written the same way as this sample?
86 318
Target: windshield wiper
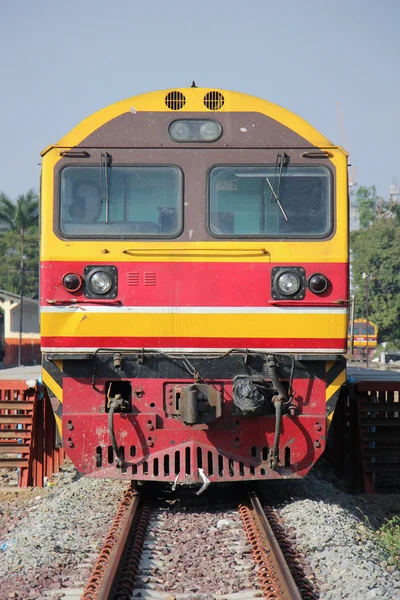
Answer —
105 162
280 163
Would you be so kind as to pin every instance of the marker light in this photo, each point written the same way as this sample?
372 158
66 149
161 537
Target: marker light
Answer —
72 282
318 283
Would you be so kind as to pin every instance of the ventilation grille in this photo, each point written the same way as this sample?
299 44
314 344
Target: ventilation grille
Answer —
187 461
175 100
214 100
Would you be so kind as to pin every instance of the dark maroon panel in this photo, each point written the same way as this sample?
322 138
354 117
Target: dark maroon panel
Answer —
150 130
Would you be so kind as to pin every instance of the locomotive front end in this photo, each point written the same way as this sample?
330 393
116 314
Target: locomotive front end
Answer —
194 288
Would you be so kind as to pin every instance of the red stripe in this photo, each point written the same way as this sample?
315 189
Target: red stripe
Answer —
187 342
194 283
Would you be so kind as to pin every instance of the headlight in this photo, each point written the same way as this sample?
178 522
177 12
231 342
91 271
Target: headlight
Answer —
288 283
210 131
100 282
179 131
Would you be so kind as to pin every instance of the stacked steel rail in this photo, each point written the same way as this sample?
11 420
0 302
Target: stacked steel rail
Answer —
28 433
365 430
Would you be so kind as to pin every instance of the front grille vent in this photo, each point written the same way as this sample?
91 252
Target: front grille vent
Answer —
175 100
214 100
132 278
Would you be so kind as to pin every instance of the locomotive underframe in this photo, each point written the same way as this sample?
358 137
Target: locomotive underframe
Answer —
154 441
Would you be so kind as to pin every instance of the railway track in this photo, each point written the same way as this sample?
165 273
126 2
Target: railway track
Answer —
135 561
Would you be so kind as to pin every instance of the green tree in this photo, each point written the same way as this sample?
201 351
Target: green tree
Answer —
375 253
365 201
19 235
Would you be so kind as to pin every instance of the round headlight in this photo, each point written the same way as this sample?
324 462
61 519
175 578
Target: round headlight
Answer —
179 130
100 282
318 283
210 131
288 283
72 282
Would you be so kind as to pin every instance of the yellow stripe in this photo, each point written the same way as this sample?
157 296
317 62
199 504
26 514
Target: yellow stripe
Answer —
59 364
52 385
59 424
339 381
331 390
194 325
329 364
329 420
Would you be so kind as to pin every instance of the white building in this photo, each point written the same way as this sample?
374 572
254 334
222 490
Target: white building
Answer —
10 330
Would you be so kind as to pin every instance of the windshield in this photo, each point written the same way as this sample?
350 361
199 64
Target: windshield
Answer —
254 201
361 329
139 201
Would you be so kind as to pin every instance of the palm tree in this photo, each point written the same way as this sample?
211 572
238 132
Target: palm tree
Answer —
20 215
19 260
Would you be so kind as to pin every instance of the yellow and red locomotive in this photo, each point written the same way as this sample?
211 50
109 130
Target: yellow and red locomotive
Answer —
194 288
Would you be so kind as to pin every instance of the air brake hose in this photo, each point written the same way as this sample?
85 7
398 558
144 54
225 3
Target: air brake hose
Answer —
278 422
282 396
278 385
115 403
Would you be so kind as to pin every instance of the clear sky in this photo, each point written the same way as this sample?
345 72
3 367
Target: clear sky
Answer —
61 61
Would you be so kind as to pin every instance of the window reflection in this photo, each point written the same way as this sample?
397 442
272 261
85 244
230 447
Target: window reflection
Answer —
143 201
243 204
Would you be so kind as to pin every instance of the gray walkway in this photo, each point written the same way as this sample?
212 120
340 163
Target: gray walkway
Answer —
21 373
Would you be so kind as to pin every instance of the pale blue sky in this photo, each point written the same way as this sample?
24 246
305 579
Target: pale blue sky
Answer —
61 61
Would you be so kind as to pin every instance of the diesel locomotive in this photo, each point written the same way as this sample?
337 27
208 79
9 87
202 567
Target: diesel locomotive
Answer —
194 288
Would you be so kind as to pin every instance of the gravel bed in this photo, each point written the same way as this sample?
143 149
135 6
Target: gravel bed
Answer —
203 554
50 537
334 532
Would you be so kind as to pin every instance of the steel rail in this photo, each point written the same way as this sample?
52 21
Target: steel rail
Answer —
104 574
284 581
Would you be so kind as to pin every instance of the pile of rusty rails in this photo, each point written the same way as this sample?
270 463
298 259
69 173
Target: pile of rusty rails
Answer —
280 575
28 435
364 441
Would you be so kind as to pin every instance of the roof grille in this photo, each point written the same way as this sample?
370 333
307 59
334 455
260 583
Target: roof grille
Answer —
214 100
175 100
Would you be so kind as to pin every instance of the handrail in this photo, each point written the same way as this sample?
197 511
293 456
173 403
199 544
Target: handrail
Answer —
300 304
76 302
183 251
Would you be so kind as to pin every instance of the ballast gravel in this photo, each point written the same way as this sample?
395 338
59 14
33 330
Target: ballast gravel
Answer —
200 553
50 538
334 532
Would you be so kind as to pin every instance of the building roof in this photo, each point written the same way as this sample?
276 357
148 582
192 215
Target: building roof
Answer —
4 295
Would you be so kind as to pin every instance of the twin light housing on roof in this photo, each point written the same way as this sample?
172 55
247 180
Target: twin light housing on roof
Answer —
195 130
